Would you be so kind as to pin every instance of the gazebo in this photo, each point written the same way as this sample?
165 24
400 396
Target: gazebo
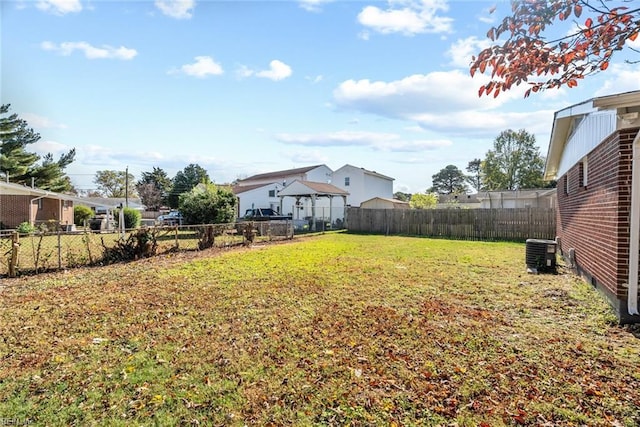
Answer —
312 190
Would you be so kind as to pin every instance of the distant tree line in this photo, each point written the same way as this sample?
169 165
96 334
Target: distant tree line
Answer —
191 190
514 163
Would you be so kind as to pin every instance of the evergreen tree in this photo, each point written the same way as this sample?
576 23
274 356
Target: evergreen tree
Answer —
25 167
475 174
449 180
154 188
185 180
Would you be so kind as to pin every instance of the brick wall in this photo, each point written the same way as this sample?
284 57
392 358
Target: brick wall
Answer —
594 219
47 209
14 210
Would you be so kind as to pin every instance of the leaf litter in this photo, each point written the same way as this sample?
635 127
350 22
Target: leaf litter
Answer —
321 331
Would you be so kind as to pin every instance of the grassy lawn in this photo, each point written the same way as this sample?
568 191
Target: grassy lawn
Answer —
336 329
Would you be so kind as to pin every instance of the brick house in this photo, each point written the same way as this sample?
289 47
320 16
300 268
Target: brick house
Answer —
19 203
594 154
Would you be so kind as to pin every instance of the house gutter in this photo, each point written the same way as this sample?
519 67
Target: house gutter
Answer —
33 220
634 232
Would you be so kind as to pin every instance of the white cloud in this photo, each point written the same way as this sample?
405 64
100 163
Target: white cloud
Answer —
40 122
278 70
620 78
306 157
488 16
90 52
462 50
407 17
486 20
59 7
178 9
44 147
375 140
107 157
633 44
485 123
243 72
202 67
445 102
313 5
364 35
437 92
314 80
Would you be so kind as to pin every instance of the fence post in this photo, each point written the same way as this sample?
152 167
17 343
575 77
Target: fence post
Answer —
177 238
13 262
59 251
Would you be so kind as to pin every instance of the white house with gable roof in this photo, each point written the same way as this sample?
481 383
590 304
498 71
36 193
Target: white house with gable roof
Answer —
362 184
357 185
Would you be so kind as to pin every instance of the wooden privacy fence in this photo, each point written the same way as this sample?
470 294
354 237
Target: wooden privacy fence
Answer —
465 224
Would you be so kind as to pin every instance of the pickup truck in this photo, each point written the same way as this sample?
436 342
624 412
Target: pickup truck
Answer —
263 214
171 218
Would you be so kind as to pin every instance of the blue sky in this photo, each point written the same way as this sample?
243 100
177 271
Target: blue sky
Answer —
246 87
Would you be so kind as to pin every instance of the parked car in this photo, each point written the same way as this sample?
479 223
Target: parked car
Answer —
171 218
263 214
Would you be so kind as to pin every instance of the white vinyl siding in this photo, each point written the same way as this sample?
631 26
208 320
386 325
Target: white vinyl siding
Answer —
587 135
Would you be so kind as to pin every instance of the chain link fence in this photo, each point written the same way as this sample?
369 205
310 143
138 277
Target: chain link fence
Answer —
39 252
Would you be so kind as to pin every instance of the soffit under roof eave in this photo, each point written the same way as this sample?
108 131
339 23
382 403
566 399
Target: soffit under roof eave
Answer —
621 100
556 146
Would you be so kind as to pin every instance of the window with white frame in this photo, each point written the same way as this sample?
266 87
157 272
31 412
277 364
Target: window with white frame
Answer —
346 181
583 172
272 193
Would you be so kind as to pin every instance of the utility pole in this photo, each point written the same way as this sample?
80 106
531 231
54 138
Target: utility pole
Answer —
126 187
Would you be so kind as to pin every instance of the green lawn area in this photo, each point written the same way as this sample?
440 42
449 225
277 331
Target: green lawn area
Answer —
336 329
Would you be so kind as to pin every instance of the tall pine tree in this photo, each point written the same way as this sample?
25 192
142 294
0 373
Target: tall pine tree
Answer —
25 167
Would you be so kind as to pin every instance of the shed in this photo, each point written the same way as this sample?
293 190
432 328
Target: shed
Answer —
384 203
530 198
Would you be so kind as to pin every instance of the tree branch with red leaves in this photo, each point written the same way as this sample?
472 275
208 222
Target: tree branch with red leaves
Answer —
525 54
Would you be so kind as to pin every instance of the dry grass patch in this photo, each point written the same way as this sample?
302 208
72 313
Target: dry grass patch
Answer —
336 329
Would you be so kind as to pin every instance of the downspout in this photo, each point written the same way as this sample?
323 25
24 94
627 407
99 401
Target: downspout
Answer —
31 203
59 212
634 232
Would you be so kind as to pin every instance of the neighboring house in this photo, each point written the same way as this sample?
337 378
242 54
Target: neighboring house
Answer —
257 196
19 203
384 203
358 184
594 154
362 184
459 201
101 205
316 173
261 191
534 198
